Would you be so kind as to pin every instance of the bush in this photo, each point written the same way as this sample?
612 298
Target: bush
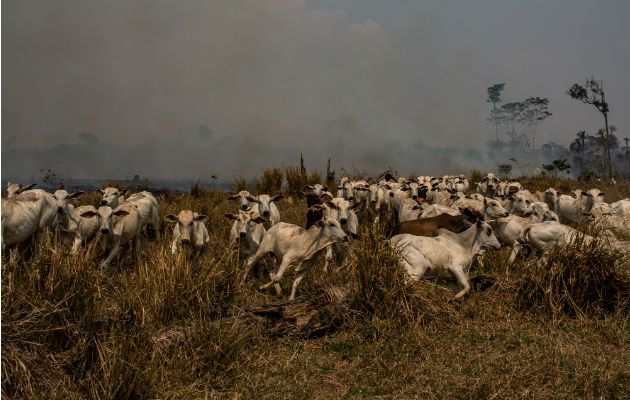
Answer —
581 279
239 184
270 182
296 180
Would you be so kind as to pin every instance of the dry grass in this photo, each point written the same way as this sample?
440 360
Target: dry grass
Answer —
70 332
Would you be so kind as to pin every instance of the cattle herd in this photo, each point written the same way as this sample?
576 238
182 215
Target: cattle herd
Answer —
440 225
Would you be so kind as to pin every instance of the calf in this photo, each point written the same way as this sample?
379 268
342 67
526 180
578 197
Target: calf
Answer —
265 206
295 246
189 231
118 227
247 232
241 198
447 256
147 208
113 197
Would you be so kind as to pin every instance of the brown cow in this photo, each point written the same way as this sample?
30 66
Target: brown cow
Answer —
429 226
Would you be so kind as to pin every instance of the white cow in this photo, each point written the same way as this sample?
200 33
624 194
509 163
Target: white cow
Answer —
15 189
488 186
265 206
241 198
447 256
247 232
118 227
592 197
147 208
433 210
295 246
544 236
344 212
377 203
113 197
26 216
189 230
622 207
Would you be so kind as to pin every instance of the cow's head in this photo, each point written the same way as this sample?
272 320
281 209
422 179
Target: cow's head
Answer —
62 196
241 198
494 209
330 228
113 197
14 189
264 203
185 221
485 236
105 216
245 222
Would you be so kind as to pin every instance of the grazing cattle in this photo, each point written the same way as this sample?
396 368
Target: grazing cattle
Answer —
147 208
247 232
620 223
569 208
295 246
14 189
113 197
447 256
26 216
241 198
118 227
429 226
189 231
265 206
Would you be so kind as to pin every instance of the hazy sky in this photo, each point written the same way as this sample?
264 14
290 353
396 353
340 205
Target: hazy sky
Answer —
271 77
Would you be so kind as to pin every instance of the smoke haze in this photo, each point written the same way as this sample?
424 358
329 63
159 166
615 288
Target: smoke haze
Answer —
187 89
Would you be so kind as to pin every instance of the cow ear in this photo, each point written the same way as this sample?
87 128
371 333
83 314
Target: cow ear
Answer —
308 187
386 186
75 195
316 207
416 207
252 199
88 214
405 189
28 187
233 197
485 201
171 218
602 194
259 220
230 216
201 218
326 197
125 192
101 191
278 197
355 206
331 205
121 213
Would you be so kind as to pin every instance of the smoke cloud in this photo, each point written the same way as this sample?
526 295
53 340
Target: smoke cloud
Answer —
188 89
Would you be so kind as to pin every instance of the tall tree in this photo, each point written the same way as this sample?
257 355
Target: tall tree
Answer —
494 97
593 93
578 146
536 109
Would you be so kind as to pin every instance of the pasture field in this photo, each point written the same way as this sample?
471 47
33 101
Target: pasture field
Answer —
558 330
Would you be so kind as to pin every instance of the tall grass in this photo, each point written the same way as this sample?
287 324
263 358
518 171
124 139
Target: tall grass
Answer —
296 180
270 182
582 279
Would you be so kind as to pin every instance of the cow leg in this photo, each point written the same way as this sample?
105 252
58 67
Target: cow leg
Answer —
112 253
276 277
76 244
251 262
462 279
302 270
516 248
329 258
